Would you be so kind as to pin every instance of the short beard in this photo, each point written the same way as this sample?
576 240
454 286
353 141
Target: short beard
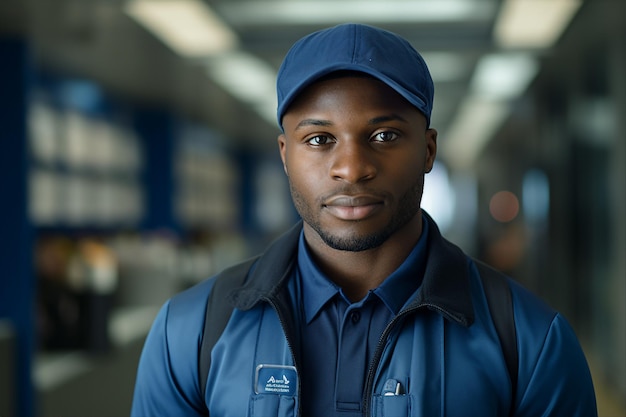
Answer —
352 243
408 208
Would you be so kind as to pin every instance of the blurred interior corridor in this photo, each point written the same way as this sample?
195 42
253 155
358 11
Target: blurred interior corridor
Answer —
136 165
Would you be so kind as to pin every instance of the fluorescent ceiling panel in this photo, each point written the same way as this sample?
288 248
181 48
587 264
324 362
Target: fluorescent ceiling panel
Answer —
503 76
247 78
533 23
447 66
188 27
333 12
475 124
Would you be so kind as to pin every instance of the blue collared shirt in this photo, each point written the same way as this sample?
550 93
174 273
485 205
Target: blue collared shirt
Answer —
339 337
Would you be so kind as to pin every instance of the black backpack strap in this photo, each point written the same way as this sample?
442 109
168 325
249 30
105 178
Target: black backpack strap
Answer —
218 312
500 303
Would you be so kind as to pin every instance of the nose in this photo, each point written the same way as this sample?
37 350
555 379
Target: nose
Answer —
352 162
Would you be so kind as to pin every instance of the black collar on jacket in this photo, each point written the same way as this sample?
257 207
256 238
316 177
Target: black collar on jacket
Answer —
445 287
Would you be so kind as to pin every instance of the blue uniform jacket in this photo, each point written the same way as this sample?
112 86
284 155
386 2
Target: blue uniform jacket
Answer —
442 349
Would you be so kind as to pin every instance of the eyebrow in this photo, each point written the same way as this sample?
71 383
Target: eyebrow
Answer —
388 118
313 122
374 121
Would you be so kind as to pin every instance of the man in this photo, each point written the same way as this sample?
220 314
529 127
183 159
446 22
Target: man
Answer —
362 309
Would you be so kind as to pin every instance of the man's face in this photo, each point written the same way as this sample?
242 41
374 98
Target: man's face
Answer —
355 153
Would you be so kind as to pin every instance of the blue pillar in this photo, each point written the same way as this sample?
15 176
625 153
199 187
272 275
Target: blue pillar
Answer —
17 283
156 129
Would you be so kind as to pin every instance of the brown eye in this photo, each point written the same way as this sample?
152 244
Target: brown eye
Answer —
385 136
318 140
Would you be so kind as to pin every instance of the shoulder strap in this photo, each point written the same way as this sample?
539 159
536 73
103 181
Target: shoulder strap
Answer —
218 312
500 303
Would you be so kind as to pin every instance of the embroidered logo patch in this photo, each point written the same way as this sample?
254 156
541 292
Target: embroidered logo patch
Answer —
276 379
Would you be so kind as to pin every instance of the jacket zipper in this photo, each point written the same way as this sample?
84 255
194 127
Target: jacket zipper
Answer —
281 319
382 341
369 381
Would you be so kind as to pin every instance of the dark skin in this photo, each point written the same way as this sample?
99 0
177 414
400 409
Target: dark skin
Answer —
355 153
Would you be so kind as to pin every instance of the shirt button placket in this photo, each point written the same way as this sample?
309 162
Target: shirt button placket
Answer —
355 316
352 358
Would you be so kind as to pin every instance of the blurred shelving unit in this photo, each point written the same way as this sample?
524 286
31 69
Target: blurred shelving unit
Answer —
125 204
114 207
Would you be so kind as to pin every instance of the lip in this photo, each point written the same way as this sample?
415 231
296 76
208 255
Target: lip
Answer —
358 207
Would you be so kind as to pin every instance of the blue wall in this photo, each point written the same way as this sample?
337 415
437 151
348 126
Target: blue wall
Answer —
17 283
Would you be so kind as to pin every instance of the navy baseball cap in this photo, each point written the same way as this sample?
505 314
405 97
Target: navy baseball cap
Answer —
356 47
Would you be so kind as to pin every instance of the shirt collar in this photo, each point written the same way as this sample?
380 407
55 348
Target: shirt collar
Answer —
401 285
317 289
395 291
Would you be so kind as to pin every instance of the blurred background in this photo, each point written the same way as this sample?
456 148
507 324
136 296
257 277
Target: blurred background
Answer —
138 157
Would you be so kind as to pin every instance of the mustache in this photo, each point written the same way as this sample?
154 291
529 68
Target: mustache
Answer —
353 196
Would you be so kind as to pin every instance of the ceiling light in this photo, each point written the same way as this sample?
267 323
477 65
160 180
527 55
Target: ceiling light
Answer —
498 78
503 76
476 122
189 27
533 23
333 12
447 66
247 78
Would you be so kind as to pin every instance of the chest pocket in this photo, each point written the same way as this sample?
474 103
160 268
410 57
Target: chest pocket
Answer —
276 383
392 405
270 405
409 377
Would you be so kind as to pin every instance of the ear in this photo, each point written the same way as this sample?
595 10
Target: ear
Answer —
431 149
282 147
